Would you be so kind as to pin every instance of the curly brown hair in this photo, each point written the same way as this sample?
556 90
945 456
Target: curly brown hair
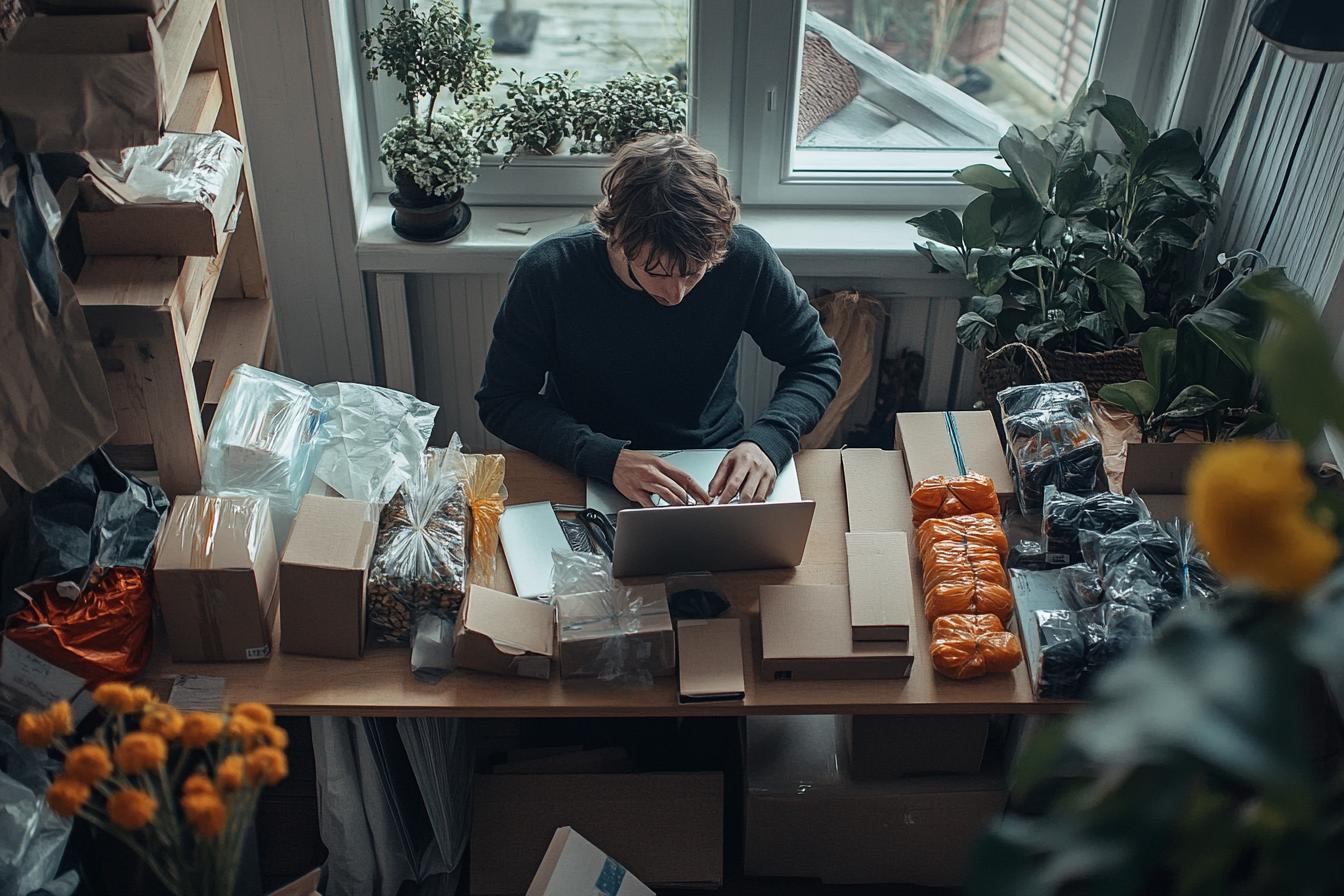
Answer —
664 198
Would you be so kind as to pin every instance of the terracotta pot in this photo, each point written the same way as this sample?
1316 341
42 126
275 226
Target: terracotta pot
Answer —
424 218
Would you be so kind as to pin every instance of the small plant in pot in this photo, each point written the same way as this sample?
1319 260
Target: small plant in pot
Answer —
538 114
430 155
1063 257
615 112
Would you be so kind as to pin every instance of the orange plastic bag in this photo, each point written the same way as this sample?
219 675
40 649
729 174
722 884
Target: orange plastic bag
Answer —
944 496
105 634
970 646
978 527
486 495
949 560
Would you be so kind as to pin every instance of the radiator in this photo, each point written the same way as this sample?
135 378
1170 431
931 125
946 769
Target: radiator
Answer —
451 316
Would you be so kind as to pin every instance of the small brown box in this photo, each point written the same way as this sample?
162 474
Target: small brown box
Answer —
881 586
323 576
215 573
806 635
504 634
585 624
877 493
709 655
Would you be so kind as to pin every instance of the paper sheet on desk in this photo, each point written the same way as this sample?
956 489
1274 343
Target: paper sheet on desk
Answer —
702 464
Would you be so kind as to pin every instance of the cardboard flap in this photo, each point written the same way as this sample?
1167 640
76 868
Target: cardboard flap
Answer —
926 440
516 625
709 654
877 492
332 533
881 587
1158 468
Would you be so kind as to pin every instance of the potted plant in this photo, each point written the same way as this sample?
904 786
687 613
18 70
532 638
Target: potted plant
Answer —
617 111
432 155
538 114
1065 258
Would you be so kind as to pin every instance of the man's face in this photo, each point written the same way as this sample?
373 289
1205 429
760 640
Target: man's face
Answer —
659 278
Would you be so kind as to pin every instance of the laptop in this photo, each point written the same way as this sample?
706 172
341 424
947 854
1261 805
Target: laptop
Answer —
712 537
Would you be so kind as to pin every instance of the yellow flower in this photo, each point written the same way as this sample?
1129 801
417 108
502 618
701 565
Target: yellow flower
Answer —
139 697
229 775
205 811
116 696
241 728
198 783
200 728
257 712
66 795
36 730
163 720
131 809
140 751
1248 504
268 764
88 763
61 721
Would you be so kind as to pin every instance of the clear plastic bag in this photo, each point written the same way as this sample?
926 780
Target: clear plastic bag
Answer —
1080 586
420 558
1111 630
963 569
579 572
485 495
1064 515
189 168
1139 565
978 527
375 439
608 631
1063 654
32 837
1052 440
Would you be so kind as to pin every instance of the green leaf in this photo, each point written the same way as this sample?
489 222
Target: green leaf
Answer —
1052 231
949 259
1130 128
1240 350
1016 218
972 330
976 229
1026 157
1098 323
1158 347
985 177
1192 401
1175 154
1255 423
1136 396
940 225
1187 187
1120 288
987 307
1173 232
1088 99
1032 261
990 272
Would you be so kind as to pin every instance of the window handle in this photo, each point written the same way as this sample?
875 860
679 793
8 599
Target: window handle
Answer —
770 100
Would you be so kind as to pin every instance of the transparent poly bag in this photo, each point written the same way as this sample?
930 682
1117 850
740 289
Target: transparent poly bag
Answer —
1081 586
1052 440
1063 654
420 557
375 439
32 837
186 168
1110 630
485 495
962 558
1144 566
608 631
1064 515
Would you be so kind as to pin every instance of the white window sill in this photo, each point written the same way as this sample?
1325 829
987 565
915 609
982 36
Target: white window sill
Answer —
811 242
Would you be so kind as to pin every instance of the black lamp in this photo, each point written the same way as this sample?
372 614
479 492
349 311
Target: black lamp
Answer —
1310 30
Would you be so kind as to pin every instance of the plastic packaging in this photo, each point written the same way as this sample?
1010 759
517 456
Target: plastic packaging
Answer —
190 168
1062 657
420 559
1033 555
578 572
695 595
485 495
1080 586
375 439
1064 515
32 837
432 645
1052 440
977 527
265 440
963 568
1139 565
1111 630
944 496
605 630
966 646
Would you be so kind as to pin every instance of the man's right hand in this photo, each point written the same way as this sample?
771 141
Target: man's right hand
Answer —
640 475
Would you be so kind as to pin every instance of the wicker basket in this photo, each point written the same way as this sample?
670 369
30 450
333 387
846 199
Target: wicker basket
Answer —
1017 364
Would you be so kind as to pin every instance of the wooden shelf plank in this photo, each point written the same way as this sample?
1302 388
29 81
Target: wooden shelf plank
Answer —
236 333
138 280
194 292
199 104
181 33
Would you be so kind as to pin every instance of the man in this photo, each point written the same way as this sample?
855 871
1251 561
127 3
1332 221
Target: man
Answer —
632 325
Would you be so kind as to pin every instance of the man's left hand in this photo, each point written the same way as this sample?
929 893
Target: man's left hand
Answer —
746 473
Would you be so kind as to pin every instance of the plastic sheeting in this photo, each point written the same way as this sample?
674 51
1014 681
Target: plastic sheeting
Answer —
1052 440
375 439
32 837
187 168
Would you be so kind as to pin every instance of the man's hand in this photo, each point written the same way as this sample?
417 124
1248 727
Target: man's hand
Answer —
746 472
640 475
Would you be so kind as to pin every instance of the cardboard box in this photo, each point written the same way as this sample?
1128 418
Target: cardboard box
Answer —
886 747
667 829
806 635
877 492
881 586
84 83
574 867
913 831
709 656
504 634
323 576
585 624
952 443
158 228
215 573
1158 468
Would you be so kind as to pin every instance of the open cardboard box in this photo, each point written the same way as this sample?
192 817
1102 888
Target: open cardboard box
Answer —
948 443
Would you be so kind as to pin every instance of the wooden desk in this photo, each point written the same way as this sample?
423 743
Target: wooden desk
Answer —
381 682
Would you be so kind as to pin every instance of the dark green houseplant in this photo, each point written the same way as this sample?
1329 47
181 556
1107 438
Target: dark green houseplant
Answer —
619 110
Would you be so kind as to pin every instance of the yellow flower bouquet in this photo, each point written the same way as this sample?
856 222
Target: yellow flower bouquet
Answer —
179 789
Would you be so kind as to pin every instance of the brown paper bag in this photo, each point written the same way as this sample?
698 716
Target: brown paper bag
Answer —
54 405
850 318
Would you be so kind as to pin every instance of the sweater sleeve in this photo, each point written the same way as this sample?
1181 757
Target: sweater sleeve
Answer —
788 330
510 401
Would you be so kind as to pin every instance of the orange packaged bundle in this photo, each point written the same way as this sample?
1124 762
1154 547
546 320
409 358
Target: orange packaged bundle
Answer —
944 496
964 578
977 527
967 646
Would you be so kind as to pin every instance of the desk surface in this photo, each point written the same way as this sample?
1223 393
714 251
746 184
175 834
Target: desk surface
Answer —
380 683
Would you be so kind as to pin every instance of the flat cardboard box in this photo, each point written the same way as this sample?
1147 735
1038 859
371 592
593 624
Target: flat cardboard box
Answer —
886 747
806 635
504 634
926 440
215 573
574 867
323 576
877 492
84 84
709 657
584 628
881 586
158 228
667 829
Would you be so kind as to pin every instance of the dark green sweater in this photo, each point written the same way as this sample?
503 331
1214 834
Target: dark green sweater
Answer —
621 370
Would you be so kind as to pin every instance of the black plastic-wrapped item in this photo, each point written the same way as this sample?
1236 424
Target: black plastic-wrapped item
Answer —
1199 583
1063 654
1110 630
1064 515
1033 555
1080 586
1139 565
1052 440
